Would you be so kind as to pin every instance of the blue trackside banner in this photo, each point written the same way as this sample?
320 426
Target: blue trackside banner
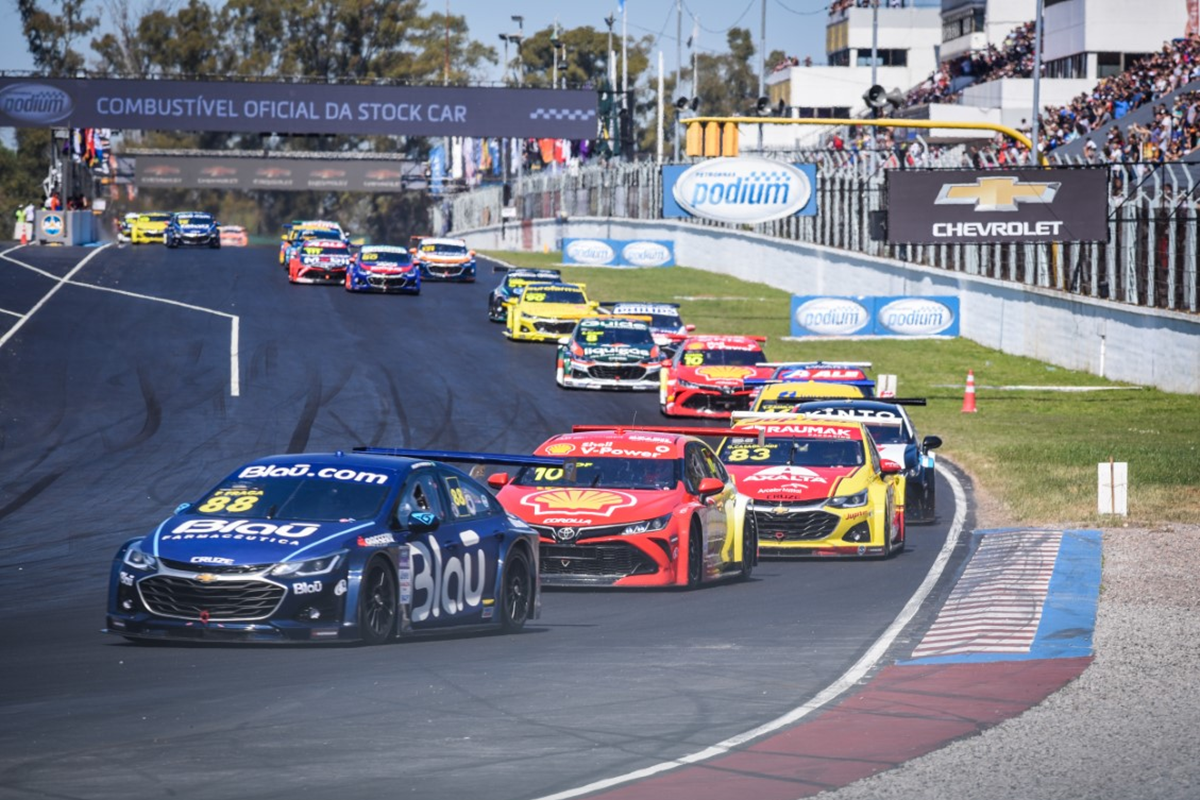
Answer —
618 252
824 315
297 108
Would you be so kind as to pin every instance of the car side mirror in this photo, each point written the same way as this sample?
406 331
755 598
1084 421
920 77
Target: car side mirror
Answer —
930 443
422 522
709 487
689 328
890 467
565 340
498 480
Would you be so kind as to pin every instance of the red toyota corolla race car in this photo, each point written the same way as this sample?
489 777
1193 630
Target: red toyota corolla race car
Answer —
631 508
706 376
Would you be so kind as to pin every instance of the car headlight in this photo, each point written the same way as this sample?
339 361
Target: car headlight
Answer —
139 559
647 525
849 501
313 566
682 384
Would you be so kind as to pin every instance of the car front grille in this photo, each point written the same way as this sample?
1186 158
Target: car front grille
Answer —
717 402
559 327
387 281
609 560
791 525
181 597
618 372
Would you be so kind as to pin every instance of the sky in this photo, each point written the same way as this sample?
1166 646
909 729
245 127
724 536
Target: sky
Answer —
795 26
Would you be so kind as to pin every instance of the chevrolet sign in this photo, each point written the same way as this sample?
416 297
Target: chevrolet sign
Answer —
1017 206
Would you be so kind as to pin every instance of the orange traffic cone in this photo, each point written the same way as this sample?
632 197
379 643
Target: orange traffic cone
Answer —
969 395
24 234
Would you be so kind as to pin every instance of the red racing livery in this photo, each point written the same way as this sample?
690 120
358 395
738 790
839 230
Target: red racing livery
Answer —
706 376
631 508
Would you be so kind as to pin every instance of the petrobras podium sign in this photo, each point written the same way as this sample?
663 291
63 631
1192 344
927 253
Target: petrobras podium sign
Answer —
741 191
618 253
915 317
997 206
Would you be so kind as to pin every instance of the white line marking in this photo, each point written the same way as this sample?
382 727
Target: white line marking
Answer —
831 692
234 371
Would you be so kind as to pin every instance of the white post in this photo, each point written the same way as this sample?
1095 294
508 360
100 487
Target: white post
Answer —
1113 487
659 135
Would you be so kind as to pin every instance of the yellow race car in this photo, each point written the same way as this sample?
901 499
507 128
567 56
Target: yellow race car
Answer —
786 395
816 487
546 312
149 228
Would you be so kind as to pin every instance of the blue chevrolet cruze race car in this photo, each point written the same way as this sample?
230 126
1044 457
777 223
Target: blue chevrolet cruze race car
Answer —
382 268
192 228
359 546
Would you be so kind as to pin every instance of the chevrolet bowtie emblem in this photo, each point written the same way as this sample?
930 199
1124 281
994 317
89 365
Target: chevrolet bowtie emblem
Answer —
996 194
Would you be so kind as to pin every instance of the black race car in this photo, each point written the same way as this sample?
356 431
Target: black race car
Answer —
511 285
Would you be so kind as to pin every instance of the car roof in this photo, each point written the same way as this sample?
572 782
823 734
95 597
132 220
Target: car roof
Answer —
615 443
432 240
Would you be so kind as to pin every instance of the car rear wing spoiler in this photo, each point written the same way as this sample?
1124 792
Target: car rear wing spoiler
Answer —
892 401
713 433
607 303
466 457
815 364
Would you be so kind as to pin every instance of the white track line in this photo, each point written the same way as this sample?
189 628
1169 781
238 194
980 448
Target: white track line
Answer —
831 692
234 320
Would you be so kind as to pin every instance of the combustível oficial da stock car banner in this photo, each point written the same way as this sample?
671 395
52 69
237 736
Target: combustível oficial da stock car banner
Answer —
279 107
997 206
901 316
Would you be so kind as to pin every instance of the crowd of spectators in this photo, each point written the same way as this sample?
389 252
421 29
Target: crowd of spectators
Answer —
842 5
1013 58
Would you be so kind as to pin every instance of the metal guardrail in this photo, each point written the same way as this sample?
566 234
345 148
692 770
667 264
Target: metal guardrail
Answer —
1150 259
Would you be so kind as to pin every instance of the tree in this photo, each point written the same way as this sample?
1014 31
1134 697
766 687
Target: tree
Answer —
52 36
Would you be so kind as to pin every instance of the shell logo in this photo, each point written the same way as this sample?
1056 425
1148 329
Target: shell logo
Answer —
560 449
597 501
725 373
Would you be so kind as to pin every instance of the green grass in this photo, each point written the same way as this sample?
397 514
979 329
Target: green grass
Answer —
1034 452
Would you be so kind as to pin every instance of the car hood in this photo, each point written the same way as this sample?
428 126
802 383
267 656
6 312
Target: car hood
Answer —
557 310
721 375
226 541
587 507
787 483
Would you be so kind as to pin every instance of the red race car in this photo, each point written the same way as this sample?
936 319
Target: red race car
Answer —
706 376
320 261
631 508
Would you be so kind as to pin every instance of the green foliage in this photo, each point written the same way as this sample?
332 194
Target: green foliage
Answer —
1034 451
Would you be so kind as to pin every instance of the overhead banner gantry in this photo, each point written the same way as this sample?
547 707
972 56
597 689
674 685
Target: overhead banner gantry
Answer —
297 108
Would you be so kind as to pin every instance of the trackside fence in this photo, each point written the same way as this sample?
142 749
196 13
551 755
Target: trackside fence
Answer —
1149 260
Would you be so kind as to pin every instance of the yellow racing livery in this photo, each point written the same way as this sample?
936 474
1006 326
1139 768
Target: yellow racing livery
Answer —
149 228
546 312
815 487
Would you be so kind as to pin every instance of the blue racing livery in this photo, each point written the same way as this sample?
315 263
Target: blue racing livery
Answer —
192 228
331 547
383 268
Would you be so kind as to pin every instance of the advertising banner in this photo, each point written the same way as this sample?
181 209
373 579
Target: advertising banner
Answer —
744 190
295 108
278 174
901 316
997 206
618 252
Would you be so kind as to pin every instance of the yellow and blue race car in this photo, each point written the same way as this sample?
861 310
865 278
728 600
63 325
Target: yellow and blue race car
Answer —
816 487
785 395
546 312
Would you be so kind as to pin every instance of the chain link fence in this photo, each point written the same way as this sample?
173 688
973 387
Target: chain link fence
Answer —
1149 260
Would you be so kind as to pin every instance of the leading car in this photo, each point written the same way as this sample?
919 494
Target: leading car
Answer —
383 268
192 228
330 547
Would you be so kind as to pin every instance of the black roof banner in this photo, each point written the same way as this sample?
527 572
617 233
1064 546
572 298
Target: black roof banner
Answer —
297 108
997 206
278 174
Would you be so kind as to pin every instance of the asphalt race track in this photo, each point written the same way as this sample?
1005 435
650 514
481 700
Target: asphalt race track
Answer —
116 406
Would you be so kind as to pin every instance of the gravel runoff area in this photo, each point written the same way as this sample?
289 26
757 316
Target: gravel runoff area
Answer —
1127 729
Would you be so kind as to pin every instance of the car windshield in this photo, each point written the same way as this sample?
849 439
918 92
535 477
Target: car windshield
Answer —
738 451
635 334
386 258
725 358
295 498
605 473
554 294
659 320
444 249
194 219
154 218
319 233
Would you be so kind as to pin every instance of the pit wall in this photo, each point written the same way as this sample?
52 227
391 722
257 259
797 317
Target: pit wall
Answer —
1148 347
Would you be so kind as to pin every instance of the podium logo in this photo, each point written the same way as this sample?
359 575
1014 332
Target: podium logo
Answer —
743 190
35 103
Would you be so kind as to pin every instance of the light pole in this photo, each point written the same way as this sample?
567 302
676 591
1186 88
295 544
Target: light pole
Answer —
520 37
504 38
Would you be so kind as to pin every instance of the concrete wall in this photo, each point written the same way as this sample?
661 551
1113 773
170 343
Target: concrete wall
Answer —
1125 343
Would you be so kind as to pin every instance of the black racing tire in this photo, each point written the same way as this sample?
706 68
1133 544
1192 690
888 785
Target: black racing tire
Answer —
516 592
695 572
749 548
377 604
